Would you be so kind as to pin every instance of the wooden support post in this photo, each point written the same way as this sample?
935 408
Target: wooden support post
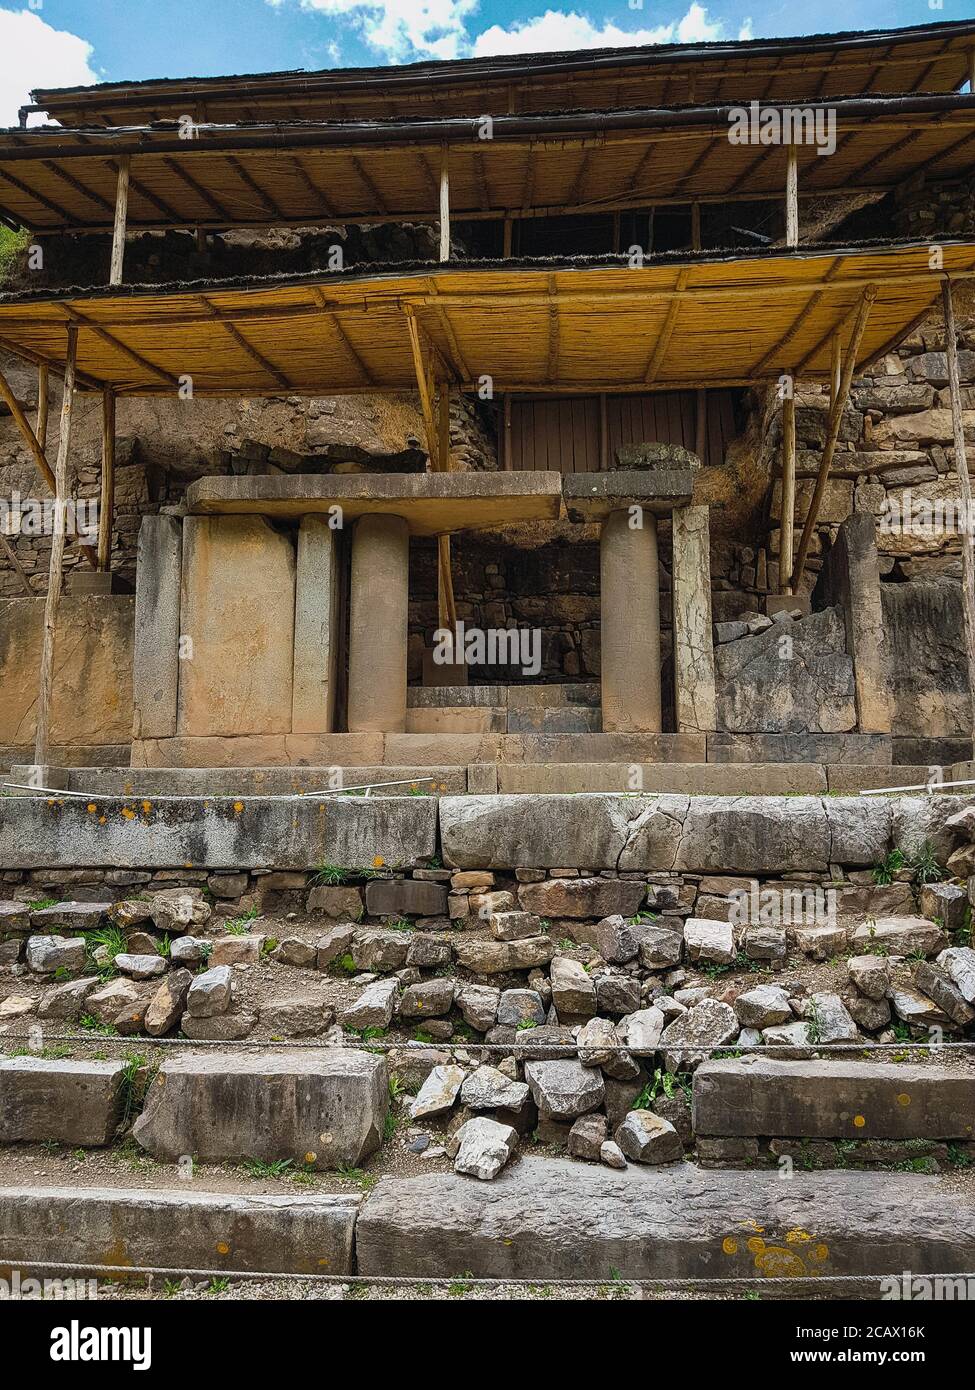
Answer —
787 506
55 573
834 420
792 196
43 403
106 505
506 460
695 226
835 365
701 423
121 217
506 242
28 435
964 480
446 605
603 432
444 204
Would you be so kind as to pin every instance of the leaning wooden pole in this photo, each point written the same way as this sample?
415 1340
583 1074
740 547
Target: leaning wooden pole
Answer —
833 423
106 502
43 403
446 603
965 483
787 508
55 573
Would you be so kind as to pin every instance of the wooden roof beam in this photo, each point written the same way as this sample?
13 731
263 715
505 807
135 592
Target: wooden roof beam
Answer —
263 362
41 198
247 177
344 342
52 166
198 189
83 322
367 182
667 332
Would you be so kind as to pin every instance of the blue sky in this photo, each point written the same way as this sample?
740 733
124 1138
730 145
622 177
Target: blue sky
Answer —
68 42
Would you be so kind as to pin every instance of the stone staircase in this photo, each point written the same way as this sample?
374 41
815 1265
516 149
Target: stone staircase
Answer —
481 1063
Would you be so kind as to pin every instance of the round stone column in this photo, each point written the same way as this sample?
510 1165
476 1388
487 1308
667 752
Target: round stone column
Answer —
629 624
378 623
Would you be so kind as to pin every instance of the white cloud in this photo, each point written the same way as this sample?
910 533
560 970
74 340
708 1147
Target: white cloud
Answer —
745 32
402 30
33 54
556 30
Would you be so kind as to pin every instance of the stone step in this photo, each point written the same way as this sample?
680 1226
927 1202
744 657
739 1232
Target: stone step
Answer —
555 1219
70 1102
176 1230
320 1107
757 1097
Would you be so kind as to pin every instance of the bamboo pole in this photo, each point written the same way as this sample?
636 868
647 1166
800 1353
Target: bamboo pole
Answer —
447 606
835 419
792 196
43 403
961 468
15 564
506 432
444 204
787 508
106 505
28 435
835 364
55 573
121 216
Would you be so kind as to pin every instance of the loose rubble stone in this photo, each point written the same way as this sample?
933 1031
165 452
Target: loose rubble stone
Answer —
830 1019
396 897
130 912
106 1003
189 950
573 992
70 916
617 940
689 1040
210 992
295 1015
229 1027
612 1155
646 1138
617 994
237 950
141 967
373 1008
429 999
513 926
47 954
484 1147
547 1043
869 1014
946 902
706 939
67 1101
487 1088
661 947
341 904
959 963
17 1006
166 1006
763 1007
499 957
870 974
582 897
478 1005
334 943
178 910
915 1009
429 952
520 1006
938 985
641 1031
563 1090
293 951
821 942
902 935
438 1092
764 943
790 1040
14 917
66 1002
587 1137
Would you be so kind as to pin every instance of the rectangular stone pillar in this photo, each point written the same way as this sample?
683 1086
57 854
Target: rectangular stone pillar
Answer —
695 706
629 623
379 611
237 621
155 660
316 628
850 578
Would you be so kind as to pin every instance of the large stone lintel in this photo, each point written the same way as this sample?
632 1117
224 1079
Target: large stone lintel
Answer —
799 748
432 504
592 496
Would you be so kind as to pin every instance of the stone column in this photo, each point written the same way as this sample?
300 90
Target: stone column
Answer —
155 659
378 624
630 624
694 695
316 620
